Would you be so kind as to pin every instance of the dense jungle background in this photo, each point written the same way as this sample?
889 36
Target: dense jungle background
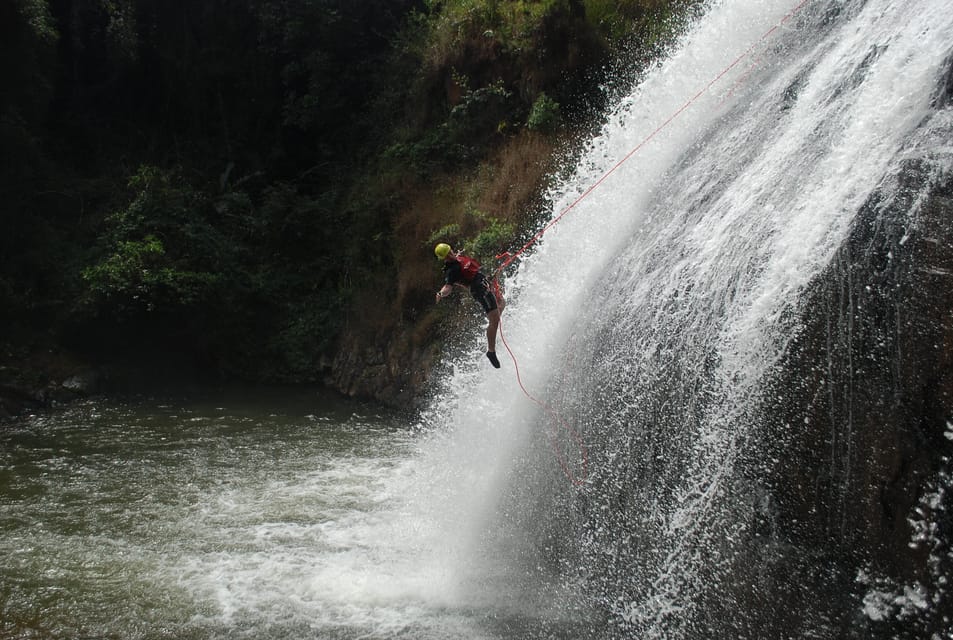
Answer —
250 189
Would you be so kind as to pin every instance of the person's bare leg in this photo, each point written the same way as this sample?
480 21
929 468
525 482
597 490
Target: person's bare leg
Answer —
492 328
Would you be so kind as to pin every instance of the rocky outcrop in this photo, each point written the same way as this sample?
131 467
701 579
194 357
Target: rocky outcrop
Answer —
860 411
48 386
392 368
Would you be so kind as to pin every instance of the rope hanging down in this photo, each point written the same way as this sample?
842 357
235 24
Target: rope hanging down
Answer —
507 258
576 480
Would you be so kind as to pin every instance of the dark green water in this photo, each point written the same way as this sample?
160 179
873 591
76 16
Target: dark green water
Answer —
250 515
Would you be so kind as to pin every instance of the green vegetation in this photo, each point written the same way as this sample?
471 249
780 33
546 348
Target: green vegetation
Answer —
250 185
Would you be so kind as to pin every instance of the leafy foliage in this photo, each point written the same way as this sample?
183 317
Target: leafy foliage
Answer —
228 183
492 239
137 271
544 116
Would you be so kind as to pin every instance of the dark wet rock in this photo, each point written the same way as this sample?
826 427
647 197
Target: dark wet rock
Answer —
84 383
392 371
859 415
15 401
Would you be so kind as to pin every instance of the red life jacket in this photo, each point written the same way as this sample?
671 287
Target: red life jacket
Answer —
469 268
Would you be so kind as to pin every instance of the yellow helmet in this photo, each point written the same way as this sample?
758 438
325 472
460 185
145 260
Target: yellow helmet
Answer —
442 250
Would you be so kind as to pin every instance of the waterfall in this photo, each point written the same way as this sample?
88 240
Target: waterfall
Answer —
722 333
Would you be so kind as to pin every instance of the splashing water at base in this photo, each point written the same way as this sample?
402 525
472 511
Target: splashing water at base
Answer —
286 517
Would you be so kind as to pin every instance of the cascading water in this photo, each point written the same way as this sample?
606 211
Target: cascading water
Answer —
742 340
710 327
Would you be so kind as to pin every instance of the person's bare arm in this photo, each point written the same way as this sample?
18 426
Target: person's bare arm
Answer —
445 291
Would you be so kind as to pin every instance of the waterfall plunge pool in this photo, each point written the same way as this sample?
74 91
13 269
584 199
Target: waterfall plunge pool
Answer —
257 515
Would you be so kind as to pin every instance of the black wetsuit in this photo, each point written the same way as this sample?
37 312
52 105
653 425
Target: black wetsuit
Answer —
479 287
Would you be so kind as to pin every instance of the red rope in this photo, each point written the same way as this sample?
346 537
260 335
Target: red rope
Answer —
507 258
556 418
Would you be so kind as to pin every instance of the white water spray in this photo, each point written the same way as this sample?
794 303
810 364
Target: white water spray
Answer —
688 262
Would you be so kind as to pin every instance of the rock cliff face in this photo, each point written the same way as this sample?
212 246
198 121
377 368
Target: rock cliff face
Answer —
394 363
392 370
859 414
